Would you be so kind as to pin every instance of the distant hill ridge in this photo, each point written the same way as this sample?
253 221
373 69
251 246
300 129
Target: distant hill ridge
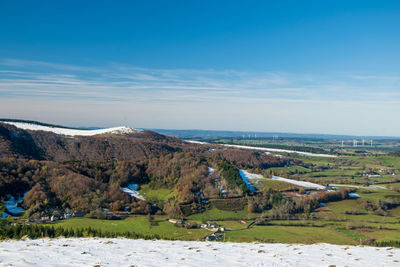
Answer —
60 143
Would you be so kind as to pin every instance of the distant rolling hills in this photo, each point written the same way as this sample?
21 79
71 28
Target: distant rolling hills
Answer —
52 142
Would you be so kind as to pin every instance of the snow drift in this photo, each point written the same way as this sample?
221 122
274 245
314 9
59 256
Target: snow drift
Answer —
71 132
126 252
277 150
299 183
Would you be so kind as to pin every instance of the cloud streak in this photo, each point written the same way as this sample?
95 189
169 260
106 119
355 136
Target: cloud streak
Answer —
129 83
178 95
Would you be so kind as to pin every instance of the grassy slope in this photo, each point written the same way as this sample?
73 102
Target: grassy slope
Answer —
138 224
266 184
163 194
290 234
215 214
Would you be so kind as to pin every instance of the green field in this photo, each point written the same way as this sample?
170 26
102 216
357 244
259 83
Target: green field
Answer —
266 184
137 224
161 194
215 214
290 234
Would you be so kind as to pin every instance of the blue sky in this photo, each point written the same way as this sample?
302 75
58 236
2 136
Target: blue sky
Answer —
293 66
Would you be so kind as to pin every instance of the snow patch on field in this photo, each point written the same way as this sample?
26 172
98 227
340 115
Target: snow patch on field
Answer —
131 189
282 151
354 195
196 142
299 183
71 132
11 205
277 150
373 186
126 252
252 176
5 215
246 179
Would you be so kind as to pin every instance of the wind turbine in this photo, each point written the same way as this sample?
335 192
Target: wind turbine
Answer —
355 142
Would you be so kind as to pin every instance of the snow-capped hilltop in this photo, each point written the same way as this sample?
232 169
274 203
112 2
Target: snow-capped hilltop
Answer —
36 140
71 132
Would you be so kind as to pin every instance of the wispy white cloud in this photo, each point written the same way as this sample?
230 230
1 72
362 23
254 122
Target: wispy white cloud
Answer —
12 62
170 94
130 82
376 77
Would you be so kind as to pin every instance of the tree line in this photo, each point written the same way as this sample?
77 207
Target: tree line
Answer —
35 231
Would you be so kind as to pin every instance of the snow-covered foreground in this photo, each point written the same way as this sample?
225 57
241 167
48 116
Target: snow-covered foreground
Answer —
125 252
277 150
299 183
71 132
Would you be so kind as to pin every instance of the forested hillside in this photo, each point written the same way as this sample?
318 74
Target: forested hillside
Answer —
86 174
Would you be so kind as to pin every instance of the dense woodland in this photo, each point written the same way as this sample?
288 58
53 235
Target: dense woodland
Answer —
56 174
85 174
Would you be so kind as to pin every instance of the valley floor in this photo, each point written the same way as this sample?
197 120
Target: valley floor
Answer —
127 252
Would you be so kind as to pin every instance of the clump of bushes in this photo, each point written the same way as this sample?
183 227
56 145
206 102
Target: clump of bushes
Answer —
353 212
229 204
264 201
380 207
